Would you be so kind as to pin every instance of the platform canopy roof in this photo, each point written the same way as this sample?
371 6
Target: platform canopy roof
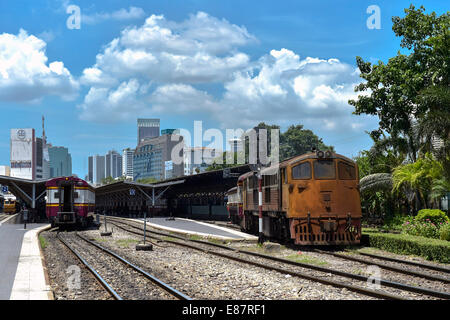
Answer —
28 191
210 181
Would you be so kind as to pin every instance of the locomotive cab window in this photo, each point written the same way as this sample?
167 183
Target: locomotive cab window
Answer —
324 169
302 171
346 171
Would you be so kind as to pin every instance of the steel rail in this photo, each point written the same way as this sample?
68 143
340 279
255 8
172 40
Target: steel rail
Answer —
387 283
387 267
105 284
350 287
160 283
412 263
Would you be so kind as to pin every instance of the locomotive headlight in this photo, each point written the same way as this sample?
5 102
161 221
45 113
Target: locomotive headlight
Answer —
319 154
328 154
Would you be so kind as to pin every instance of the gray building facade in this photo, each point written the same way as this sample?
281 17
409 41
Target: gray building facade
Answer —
153 157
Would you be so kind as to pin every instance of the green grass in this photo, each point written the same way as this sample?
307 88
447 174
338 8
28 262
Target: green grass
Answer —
218 241
43 242
125 243
195 237
306 259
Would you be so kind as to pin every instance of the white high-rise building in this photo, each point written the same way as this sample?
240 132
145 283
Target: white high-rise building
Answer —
113 164
127 163
96 169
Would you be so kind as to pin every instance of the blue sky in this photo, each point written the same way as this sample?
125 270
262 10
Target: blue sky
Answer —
229 64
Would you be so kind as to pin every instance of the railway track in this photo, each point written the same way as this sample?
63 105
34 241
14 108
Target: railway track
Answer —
102 281
122 280
385 266
283 262
411 263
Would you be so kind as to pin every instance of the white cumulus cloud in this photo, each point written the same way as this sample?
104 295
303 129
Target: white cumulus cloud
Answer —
200 49
25 75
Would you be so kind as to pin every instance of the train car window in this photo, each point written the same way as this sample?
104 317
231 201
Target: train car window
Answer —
324 169
346 171
267 195
302 171
269 180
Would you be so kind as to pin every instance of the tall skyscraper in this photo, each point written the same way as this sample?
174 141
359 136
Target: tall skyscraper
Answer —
96 169
127 163
147 129
113 164
60 162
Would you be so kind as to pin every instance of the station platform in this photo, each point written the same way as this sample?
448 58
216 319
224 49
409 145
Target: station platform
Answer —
22 275
203 229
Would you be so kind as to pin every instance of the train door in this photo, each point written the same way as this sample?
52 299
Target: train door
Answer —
348 189
284 190
66 199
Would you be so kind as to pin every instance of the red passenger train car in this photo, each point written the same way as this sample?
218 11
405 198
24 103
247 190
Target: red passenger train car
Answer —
70 201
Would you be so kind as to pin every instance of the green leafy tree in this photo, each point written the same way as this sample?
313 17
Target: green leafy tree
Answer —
296 141
397 92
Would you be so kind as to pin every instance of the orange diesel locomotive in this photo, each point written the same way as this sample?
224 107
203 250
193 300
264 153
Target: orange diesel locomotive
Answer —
312 199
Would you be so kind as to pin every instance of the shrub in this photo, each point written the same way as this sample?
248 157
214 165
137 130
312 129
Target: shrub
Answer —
425 229
431 249
436 216
444 231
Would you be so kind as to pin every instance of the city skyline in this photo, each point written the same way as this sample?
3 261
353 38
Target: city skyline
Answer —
290 62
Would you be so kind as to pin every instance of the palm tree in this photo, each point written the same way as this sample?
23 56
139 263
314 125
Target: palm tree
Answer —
419 177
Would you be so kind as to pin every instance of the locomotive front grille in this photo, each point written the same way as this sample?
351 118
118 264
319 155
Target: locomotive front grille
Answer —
324 232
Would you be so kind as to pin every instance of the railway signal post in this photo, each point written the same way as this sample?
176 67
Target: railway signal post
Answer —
144 246
106 233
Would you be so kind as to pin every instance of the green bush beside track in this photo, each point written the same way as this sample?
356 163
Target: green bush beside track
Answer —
430 249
